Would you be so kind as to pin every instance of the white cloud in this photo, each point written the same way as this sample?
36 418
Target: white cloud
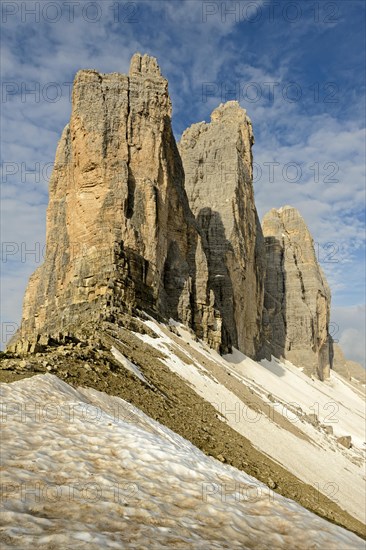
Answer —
353 344
349 328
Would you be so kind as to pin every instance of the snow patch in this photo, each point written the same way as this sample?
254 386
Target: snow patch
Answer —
336 472
129 482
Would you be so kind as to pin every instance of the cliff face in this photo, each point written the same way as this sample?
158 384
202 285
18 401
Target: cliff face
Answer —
120 234
217 160
297 296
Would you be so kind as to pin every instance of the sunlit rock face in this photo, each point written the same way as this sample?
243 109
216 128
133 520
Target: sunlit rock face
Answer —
120 231
297 295
120 234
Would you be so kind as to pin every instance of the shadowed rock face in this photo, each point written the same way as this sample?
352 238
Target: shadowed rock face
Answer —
217 160
297 296
120 234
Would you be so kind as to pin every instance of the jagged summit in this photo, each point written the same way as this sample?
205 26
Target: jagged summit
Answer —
139 64
144 64
287 207
230 111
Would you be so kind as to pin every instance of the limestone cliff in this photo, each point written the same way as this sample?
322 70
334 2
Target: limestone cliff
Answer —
120 234
217 160
135 224
297 296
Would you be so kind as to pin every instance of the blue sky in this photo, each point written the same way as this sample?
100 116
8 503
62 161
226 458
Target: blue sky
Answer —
297 67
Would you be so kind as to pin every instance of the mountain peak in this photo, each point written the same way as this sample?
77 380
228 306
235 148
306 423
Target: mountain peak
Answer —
144 65
134 224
